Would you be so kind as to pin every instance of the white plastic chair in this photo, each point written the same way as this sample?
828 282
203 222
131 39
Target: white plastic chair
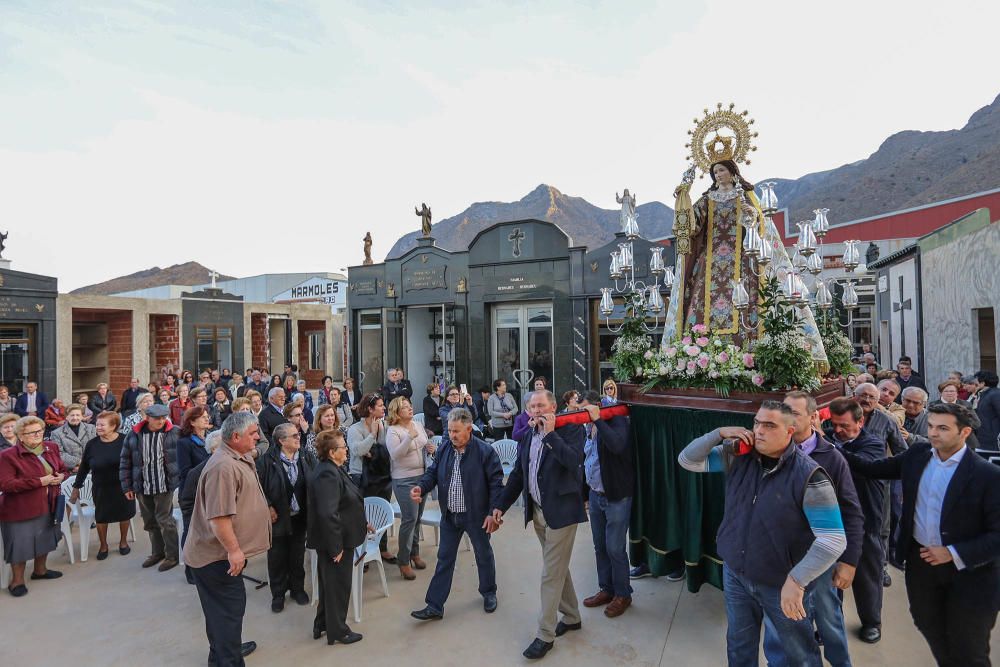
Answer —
83 515
432 517
506 449
66 525
378 512
179 521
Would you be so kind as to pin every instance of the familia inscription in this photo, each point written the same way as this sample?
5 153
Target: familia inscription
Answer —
425 278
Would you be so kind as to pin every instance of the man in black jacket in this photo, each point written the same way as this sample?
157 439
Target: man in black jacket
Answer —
987 404
611 477
949 536
848 420
271 414
130 396
549 474
397 385
283 471
469 479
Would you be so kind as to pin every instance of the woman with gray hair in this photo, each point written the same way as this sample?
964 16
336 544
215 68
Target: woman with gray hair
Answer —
73 436
141 405
283 471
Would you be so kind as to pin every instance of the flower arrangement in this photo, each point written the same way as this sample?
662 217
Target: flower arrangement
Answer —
632 342
783 351
699 358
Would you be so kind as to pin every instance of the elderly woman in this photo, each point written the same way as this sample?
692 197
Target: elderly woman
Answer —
142 404
326 419
199 396
371 467
55 414
949 390
502 408
101 459
102 400
432 408
72 436
300 387
88 414
283 471
300 399
336 527
221 408
571 401
6 401
408 447
191 445
30 475
851 384
7 437
179 405
163 397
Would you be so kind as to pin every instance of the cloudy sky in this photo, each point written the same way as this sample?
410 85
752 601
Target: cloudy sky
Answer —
261 136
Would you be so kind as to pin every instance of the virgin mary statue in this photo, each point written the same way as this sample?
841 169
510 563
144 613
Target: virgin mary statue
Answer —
711 262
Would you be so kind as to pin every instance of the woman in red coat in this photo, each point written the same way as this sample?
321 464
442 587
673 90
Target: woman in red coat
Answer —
30 475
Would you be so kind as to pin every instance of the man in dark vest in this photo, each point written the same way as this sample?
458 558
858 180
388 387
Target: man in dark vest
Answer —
781 530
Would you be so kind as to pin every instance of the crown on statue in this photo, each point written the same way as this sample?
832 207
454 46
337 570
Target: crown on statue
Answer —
719 148
735 145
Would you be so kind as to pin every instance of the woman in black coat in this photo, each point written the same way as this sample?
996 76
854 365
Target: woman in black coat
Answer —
337 526
432 406
283 470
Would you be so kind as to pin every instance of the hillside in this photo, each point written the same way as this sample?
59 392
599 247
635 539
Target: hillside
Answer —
189 273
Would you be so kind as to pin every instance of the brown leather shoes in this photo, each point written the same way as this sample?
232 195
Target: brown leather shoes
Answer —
418 563
598 600
617 606
407 572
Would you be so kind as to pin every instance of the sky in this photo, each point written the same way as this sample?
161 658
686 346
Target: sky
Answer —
259 136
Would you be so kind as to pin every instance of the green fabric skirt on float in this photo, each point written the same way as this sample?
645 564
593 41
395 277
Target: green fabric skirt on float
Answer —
676 513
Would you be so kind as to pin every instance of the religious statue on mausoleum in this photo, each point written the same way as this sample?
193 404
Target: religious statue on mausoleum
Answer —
424 213
714 235
3 245
368 249
628 208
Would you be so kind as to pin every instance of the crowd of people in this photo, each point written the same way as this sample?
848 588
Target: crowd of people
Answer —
259 463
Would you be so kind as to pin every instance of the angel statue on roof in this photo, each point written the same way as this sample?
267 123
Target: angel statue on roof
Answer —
710 237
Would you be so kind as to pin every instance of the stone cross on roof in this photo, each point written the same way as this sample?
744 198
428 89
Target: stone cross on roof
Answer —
213 275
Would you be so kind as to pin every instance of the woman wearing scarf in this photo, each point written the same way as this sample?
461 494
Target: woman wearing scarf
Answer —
30 475
72 436
283 471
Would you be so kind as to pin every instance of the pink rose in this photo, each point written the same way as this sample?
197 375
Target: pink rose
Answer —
692 350
702 341
758 379
748 360
691 366
699 328
686 340
723 357
671 351
703 361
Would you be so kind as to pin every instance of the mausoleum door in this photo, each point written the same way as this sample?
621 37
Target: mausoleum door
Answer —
522 345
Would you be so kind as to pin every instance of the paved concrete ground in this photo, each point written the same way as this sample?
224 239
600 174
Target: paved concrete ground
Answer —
115 613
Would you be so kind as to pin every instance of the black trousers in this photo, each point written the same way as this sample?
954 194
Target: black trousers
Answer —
334 594
954 609
867 585
286 559
223 601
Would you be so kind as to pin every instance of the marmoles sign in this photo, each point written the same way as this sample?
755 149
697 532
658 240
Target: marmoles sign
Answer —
316 290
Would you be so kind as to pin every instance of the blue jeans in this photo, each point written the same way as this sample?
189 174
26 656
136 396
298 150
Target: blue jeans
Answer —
409 516
747 604
825 607
609 524
452 527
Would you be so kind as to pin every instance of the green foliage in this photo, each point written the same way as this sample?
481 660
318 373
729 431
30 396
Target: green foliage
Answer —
837 345
782 354
632 342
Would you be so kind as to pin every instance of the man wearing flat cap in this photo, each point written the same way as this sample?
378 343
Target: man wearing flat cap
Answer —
148 474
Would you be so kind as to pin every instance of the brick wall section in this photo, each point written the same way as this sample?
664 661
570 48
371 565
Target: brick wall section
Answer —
119 351
313 378
165 338
259 340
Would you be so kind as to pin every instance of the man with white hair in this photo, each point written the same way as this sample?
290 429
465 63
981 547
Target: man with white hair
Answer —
915 407
271 416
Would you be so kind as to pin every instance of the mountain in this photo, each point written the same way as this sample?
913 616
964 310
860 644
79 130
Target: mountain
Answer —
909 169
188 273
585 223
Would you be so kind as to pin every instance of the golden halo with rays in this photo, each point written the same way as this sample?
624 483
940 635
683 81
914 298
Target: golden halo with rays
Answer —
723 134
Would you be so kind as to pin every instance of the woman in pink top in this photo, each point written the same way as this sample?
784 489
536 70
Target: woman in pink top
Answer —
408 445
